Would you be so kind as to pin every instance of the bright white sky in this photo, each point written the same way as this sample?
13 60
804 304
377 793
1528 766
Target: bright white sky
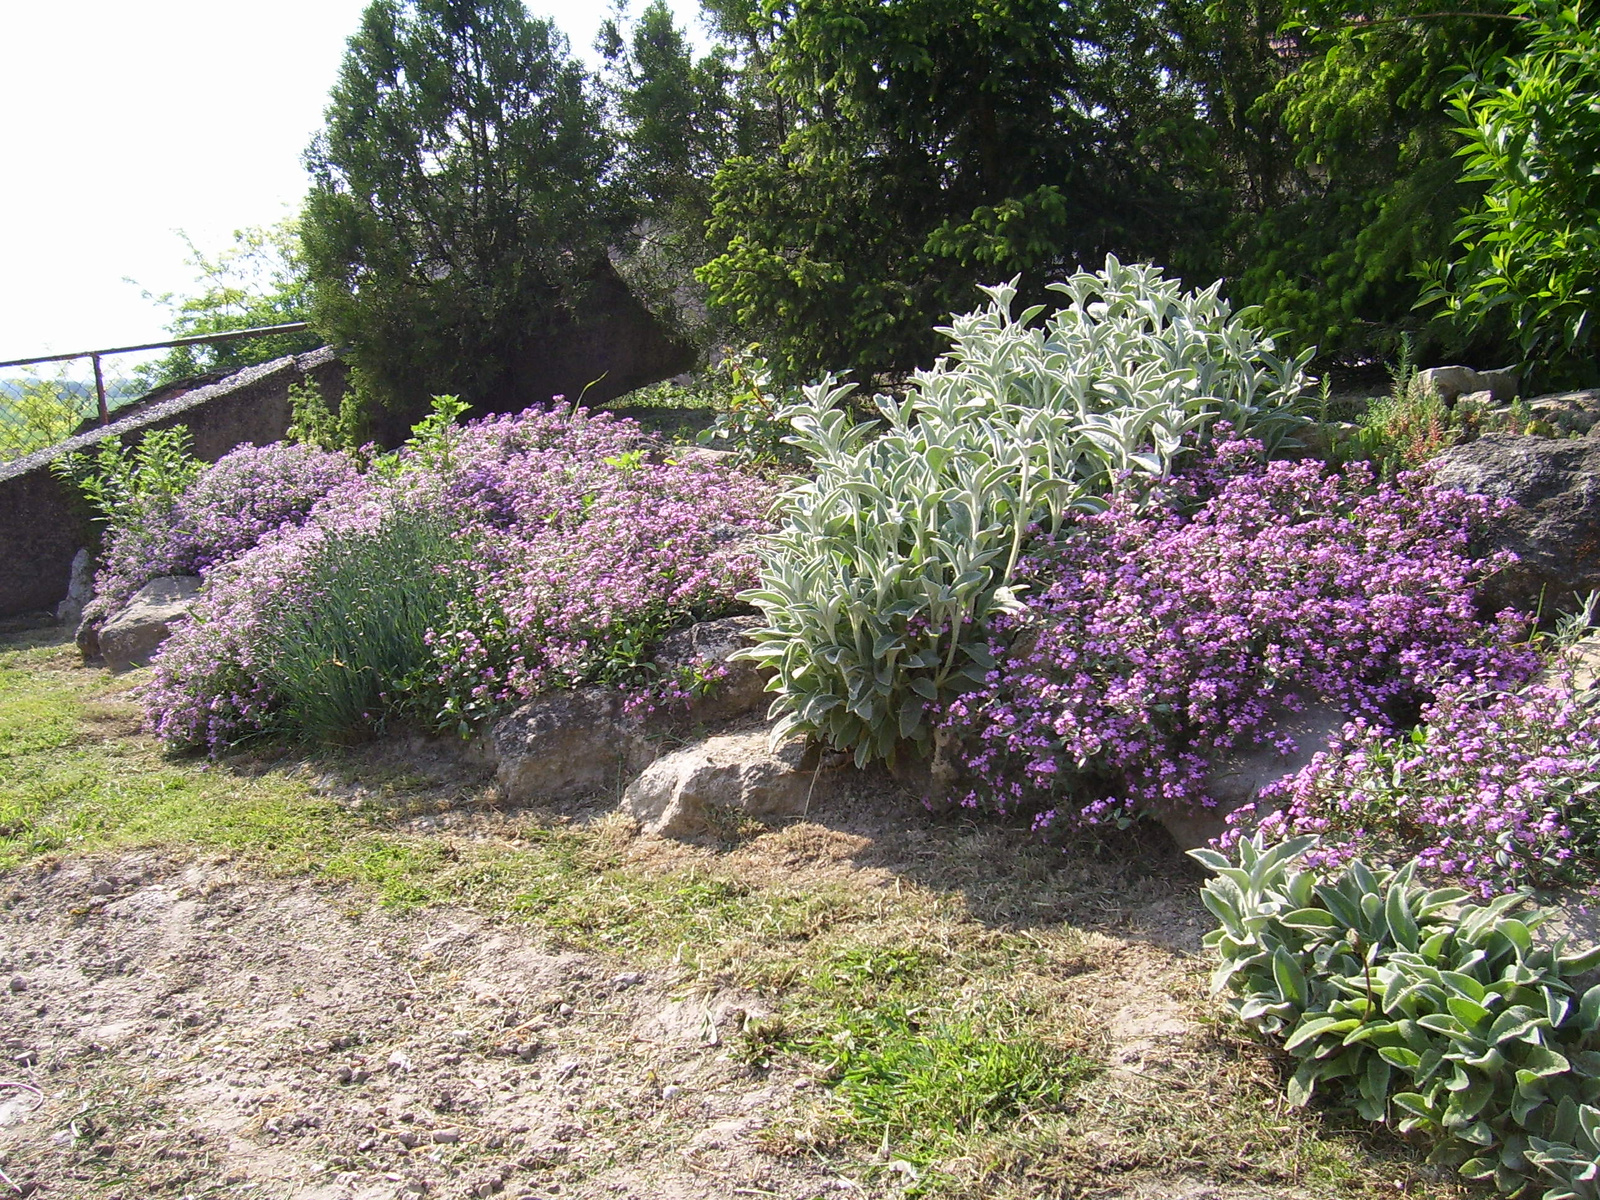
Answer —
124 122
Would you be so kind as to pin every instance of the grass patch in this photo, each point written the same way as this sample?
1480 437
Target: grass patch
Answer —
924 1090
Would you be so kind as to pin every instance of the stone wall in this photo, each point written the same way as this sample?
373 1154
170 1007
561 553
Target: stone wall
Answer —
612 346
41 526
615 347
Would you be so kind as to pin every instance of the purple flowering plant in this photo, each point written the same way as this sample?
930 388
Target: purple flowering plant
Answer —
227 508
1173 627
1495 789
476 567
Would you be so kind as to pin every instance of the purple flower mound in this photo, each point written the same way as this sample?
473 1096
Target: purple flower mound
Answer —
1496 788
516 555
249 492
1155 641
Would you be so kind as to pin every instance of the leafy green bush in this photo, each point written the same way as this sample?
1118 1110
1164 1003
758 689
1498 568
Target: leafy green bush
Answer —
890 561
1417 1009
1528 249
127 489
260 280
316 423
749 421
37 413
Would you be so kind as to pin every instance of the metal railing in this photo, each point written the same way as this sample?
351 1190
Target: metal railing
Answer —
39 408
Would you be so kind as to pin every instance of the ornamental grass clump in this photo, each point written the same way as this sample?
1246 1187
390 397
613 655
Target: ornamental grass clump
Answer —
478 566
1160 637
893 558
1449 1021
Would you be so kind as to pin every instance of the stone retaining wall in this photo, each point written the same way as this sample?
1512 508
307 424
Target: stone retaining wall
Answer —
41 525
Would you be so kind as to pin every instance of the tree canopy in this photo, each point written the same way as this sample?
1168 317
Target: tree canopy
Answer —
460 195
936 144
834 177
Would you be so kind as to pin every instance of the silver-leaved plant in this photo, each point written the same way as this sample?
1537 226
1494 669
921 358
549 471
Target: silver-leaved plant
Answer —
894 555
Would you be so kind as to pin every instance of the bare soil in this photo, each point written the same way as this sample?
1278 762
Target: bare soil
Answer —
188 1029
184 1022
194 1028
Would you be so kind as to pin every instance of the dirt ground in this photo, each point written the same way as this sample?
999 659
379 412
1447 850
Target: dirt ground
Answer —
185 1027
196 1021
191 1028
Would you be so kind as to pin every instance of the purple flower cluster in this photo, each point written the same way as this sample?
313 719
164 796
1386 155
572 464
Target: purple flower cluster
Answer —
235 502
587 559
570 543
1496 788
1157 641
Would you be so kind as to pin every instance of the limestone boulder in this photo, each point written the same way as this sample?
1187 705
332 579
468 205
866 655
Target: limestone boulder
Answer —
567 744
1501 384
694 456
88 638
692 790
1451 382
131 637
1555 528
1287 744
80 589
1568 412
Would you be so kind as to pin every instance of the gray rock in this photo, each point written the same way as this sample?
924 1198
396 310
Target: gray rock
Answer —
1237 779
563 745
1448 383
685 792
88 638
1501 383
80 589
1555 531
708 648
130 638
1568 412
700 456
1582 659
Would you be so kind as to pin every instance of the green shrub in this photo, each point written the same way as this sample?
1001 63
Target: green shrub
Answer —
892 558
1526 252
316 423
127 489
749 408
1417 1009
36 414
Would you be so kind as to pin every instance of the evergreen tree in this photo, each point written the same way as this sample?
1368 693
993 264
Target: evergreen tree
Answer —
940 143
678 118
459 199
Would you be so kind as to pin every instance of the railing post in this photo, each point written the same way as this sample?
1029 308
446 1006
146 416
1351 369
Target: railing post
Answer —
100 391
